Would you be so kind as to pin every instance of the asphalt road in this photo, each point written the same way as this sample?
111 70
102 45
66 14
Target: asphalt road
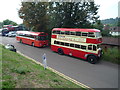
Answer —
101 75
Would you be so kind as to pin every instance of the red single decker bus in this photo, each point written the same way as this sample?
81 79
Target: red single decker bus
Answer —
81 43
38 39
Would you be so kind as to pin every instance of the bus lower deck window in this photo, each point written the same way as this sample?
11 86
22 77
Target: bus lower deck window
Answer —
71 45
83 47
57 42
77 46
89 47
66 44
94 48
62 43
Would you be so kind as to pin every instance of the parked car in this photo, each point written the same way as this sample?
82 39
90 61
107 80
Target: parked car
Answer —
0 32
4 31
11 34
10 47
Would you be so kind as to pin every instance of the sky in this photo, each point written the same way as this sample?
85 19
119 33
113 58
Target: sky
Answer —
9 9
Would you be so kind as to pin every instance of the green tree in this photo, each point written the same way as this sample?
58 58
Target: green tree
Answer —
111 21
34 15
98 25
73 14
105 33
43 16
118 24
1 24
9 22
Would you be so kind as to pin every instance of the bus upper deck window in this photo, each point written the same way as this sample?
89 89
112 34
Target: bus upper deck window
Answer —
91 34
67 32
62 32
54 32
84 34
72 33
78 33
57 32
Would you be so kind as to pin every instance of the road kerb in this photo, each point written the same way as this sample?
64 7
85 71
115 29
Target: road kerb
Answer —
59 73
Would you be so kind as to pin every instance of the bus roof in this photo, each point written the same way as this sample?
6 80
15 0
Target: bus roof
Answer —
77 29
30 33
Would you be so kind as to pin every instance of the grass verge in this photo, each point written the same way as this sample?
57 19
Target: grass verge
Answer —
111 55
21 72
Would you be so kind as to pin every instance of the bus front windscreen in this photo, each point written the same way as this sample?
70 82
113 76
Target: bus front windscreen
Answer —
98 34
42 38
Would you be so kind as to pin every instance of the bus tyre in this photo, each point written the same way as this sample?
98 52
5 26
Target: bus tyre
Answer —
60 51
92 59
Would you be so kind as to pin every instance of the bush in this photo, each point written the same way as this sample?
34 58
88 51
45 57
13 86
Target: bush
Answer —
112 55
20 70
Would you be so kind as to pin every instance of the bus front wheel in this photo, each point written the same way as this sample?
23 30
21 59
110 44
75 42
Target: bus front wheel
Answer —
60 51
92 59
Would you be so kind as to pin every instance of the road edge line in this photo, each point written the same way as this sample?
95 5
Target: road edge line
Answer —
59 73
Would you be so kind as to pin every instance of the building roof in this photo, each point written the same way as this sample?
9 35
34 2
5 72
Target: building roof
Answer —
111 41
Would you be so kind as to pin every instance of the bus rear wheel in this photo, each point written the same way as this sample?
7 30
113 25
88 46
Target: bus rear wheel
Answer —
60 51
92 59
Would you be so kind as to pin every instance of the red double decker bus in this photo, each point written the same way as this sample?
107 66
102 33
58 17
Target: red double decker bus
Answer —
38 39
81 43
9 27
